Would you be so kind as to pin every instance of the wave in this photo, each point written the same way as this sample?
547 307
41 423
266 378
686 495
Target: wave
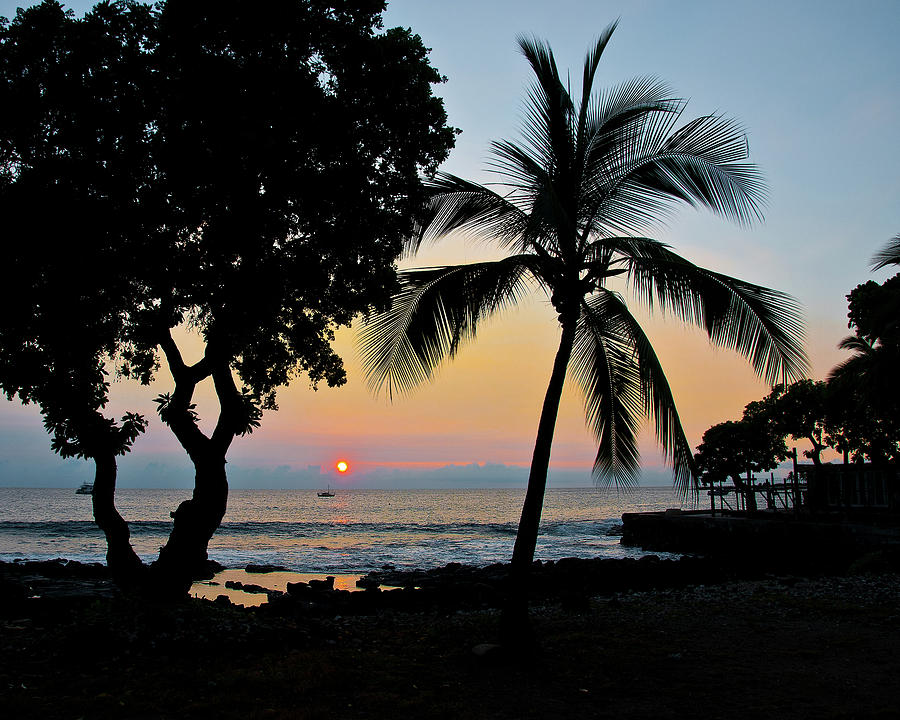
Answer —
83 528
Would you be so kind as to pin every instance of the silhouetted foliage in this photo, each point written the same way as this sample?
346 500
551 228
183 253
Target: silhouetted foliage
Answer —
868 411
591 168
251 172
856 412
69 201
801 410
734 449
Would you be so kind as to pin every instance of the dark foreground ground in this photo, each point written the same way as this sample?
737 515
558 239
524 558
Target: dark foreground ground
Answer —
770 646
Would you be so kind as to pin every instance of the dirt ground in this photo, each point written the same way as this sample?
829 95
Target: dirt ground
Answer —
778 647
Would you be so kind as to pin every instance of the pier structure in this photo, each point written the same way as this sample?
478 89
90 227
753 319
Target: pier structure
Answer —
817 518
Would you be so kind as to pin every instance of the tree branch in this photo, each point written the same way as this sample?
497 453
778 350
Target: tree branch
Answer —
179 417
229 406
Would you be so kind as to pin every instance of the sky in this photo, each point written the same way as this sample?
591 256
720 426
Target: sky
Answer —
815 84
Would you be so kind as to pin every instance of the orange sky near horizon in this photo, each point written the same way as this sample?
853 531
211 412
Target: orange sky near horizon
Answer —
482 407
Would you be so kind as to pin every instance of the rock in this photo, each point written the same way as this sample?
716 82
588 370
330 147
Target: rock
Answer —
247 588
13 595
298 589
326 584
208 570
251 568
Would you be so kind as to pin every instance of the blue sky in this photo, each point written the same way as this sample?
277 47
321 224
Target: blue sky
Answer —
815 84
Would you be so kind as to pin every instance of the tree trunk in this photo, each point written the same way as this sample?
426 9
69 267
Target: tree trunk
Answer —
816 454
515 619
184 556
124 564
751 494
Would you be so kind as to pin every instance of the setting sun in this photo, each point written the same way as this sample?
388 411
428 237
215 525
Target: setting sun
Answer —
342 466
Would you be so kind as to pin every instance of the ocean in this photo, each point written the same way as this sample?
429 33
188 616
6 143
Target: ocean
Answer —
352 533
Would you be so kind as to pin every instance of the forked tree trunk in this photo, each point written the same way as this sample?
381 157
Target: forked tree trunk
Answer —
515 626
124 564
185 553
816 454
184 556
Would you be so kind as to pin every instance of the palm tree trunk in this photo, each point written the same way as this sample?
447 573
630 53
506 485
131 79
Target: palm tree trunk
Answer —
515 621
123 562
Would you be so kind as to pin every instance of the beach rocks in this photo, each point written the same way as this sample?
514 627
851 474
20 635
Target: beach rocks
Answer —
326 584
251 568
208 570
246 587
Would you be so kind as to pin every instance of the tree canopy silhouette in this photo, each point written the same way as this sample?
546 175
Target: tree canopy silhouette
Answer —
594 171
801 410
274 163
867 381
734 448
70 183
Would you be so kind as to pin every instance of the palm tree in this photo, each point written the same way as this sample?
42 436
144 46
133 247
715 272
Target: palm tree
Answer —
574 196
888 255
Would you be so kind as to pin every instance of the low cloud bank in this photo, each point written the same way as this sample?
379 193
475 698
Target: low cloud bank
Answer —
180 475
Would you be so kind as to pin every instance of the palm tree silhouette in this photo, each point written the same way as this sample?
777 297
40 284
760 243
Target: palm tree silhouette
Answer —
888 255
573 198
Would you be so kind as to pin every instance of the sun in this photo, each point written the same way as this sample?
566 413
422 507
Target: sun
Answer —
342 466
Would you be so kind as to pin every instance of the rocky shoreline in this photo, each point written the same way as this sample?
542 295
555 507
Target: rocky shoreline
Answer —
623 639
571 583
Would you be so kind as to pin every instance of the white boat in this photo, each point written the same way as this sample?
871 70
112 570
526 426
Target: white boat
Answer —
85 489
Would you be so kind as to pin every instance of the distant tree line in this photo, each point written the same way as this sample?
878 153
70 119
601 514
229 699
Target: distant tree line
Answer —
241 170
855 412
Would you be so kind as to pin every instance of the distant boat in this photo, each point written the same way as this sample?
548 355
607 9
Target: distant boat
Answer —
325 493
85 489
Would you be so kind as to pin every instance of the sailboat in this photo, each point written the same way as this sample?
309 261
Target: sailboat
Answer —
325 493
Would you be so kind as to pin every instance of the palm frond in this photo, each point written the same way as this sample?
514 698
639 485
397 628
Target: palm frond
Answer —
618 115
701 164
852 373
856 344
763 325
435 311
549 107
603 366
547 211
458 204
591 62
888 255
659 402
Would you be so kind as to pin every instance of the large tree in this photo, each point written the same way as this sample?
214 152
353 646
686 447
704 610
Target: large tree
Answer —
278 169
593 173
69 190
801 410
737 449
